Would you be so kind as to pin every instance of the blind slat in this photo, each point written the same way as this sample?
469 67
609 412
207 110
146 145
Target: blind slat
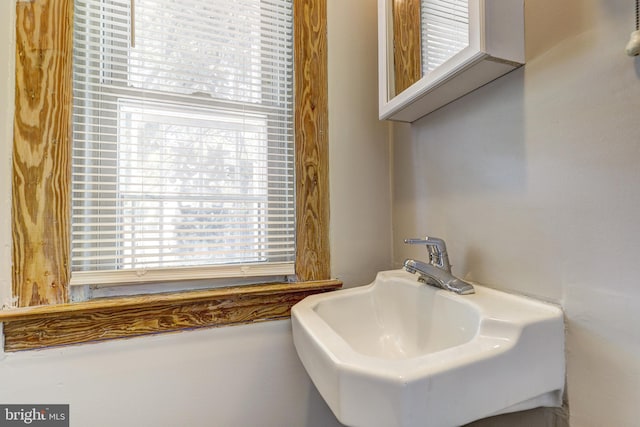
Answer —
142 275
445 31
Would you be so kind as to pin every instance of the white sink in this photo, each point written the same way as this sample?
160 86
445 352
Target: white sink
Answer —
401 353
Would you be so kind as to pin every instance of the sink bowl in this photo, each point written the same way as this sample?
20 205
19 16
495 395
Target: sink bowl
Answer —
401 353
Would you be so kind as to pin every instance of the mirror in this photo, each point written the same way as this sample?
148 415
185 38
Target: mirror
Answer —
426 33
426 45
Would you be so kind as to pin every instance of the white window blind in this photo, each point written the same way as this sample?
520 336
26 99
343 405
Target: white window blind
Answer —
182 139
445 31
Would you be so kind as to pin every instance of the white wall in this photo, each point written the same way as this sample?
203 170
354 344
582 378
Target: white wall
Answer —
534 182
359 158
235 376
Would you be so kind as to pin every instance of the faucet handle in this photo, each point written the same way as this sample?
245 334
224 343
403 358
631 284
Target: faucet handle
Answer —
437 250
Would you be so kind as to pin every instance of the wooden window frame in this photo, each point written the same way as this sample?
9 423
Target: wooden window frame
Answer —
41 200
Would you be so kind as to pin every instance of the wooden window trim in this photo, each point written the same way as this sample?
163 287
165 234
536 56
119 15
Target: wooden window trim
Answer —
41 199
99 320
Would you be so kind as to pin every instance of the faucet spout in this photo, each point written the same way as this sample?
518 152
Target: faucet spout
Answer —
437 250
432 275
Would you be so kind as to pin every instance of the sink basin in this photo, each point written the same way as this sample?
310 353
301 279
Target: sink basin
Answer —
401 353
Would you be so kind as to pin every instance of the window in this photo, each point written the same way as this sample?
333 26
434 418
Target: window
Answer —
183 140
41 190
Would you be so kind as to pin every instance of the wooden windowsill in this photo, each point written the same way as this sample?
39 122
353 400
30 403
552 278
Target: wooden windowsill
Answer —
124 317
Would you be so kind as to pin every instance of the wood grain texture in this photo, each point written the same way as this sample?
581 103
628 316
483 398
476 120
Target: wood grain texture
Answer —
311 138
99 320
406 43
41 152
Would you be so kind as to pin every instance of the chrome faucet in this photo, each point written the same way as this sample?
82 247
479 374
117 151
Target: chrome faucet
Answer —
437 272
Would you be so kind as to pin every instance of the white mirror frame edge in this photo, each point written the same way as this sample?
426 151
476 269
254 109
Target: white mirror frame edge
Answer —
496 47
